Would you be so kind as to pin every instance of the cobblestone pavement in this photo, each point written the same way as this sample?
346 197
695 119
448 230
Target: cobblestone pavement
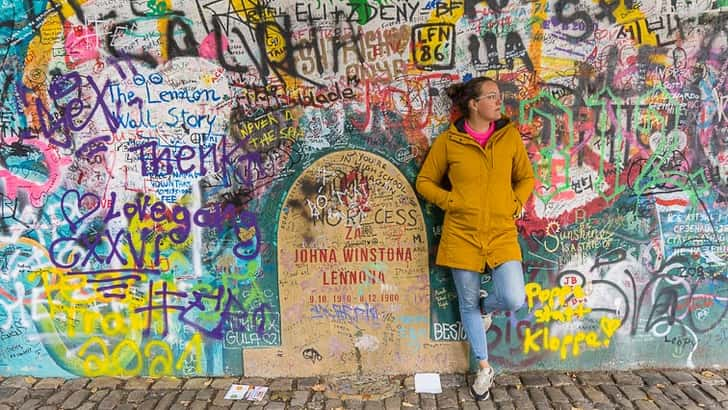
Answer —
639 389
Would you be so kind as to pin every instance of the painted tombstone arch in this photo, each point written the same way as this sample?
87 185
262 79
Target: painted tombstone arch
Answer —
353 272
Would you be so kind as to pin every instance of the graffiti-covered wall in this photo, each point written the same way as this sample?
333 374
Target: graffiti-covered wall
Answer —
226 187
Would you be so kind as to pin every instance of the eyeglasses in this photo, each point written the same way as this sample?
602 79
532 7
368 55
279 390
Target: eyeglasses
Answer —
488 97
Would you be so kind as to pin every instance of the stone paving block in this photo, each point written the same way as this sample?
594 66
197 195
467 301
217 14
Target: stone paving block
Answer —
507 380
41 394
448 398
448 381
723 389
197 383
75 384
167 400
634 393
709 377
409 382
104 383
19 382
537 395
698 396
556 395
348 404
428 401
613 392
645 405
713 392
499 394
206 394
594 378
675 394
506 405
17 398
534 380
616 396
574 394
655 394
543 406
412 398
627 379
138 383
241 405
198 405
392 403
224 382
332 404
87 406
523 405
560 379
307 383
136 396
486 405
518 394
7 391
186 397
275 405
113 399
373 405
254 381
652 377
75 399
680 377
624 404
464 394
605 406
98 395
300 397
279 395
562 406
317 403
167 383
49 383
213 407
467 406
284 384
58 397
31 404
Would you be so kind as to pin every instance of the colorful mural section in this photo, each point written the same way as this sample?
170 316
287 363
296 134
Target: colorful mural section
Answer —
225 187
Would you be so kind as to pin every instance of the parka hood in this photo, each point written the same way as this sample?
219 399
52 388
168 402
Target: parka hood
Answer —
459 124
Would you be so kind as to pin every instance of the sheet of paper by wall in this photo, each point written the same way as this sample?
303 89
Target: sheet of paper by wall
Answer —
427 383
246 392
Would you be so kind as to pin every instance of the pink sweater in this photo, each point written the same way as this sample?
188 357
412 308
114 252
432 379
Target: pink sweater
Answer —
481 137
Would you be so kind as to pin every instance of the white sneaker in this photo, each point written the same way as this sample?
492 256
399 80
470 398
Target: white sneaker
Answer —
480 390
487 318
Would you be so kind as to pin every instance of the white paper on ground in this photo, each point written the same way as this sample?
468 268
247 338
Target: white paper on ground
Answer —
246 392
258 393
236 392
427 383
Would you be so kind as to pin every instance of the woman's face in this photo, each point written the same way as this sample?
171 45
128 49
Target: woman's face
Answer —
487 105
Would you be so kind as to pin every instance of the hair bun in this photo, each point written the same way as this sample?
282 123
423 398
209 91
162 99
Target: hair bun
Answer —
454 91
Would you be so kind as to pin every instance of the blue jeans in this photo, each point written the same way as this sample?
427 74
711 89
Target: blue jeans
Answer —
508 294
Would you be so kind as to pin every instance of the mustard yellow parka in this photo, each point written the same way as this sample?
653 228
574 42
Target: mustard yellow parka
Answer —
489 187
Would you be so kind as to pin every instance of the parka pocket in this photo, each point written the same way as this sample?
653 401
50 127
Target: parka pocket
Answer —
516 206
454 202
